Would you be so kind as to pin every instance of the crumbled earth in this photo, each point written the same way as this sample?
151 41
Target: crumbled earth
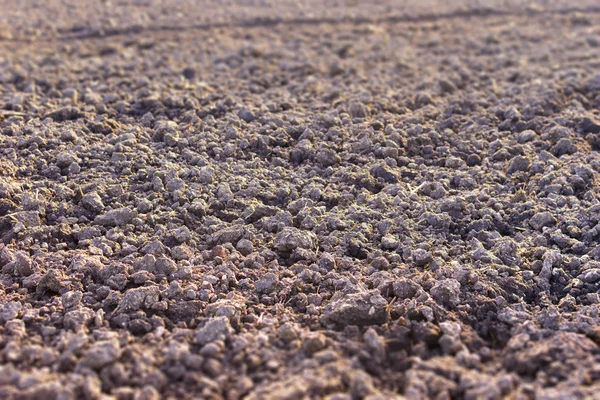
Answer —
299 200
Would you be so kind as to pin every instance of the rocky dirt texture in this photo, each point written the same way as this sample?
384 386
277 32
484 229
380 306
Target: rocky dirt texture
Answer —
320 208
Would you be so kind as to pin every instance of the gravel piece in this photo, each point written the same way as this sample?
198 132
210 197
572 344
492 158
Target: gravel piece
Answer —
564 146
356 309
92 202
229 235
144 206
447 86
290 239
71 299
405 288
244 246
182 234
246 114
65 159
446 292
267 284
101 353
118 217
541 220
287 333
10 311
313 342
206 175
375 343
189 73
518 164
77 319
422 257
92 388
29 219
137 298
525 136
385 173
21 265
146 393
217 328
358 110
326 158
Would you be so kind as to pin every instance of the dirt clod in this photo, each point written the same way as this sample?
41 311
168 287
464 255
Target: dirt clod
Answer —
299 200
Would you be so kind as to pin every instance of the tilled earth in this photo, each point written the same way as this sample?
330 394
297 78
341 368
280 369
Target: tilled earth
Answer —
347 201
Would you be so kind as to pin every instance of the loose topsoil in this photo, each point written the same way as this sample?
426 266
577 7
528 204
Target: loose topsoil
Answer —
299 200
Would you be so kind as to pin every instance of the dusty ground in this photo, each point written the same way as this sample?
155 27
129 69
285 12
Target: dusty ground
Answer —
299 200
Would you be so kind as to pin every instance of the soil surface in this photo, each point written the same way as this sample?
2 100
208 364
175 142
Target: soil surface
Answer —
269 199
